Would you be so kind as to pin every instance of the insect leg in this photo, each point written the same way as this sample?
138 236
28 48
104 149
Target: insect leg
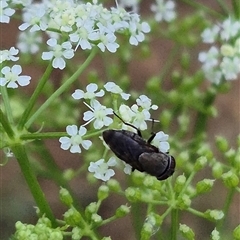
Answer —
128 124
153 134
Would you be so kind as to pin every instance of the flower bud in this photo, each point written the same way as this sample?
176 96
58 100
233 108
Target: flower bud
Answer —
147 230
214 215
65 197
204 186
91 209
180 183
132 194
96 218
230 179
122 211
236 232
215 235
72 217
200 163
222 144
114 185
186 231
184 202
76 233
217 170
103 192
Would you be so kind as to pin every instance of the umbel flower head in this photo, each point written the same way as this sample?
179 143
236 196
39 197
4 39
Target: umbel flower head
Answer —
84 25
224 62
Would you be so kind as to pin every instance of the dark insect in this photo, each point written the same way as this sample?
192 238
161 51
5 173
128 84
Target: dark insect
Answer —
140 154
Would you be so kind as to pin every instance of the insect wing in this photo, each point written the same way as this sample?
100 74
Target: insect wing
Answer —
126 145
158 164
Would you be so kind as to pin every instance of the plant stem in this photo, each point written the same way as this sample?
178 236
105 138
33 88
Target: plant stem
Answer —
7 127
226 208
174 224
37 193
61 89
236 8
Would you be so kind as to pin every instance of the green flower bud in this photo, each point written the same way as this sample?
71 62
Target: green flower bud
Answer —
96 218
215 235
217 170
122 211
65 197
56 234
204 186
91 209
227 50
214 215
114 185
230 155
147 231
149 181
200 163
184 202
68 174
180 183
76 233
186 231
72 217
103 192
230 179
236 233
222 144
133 194
106 238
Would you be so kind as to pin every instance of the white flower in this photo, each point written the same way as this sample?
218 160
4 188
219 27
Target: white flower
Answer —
99 114
81 35
140 118
137 30
127 168
73 142
9 54
101 169
12 77
126 113
146 103
5 12
230 67
29 42
164 10
89 94
160 141
210 58
59 53
209 35
213 75
114 88
230 29
35 17
106 37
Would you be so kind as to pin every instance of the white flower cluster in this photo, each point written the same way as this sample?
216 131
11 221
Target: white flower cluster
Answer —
164 10
80 24
222 62
137 115
10 76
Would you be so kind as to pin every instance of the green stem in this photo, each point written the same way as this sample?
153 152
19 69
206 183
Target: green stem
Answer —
236 8
174 223
21 155
7 127
226 207
61 89
35 96
7 106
